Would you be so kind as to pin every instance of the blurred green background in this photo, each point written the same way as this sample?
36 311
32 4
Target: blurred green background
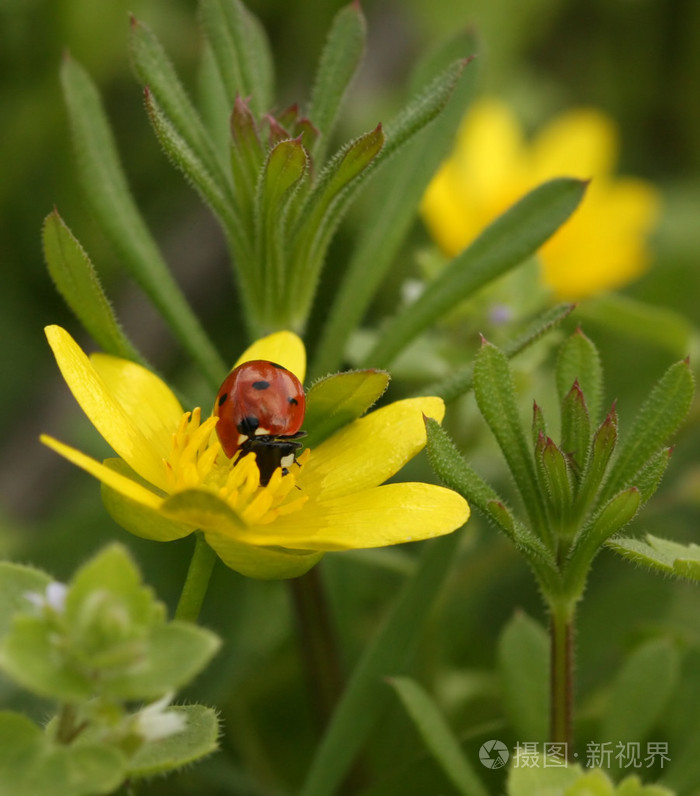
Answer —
639 60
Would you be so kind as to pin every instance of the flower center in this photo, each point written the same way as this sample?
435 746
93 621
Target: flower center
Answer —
198 462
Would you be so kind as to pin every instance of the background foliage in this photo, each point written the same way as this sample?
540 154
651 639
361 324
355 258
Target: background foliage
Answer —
540 55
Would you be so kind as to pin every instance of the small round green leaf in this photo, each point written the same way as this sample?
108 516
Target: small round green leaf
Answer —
198 739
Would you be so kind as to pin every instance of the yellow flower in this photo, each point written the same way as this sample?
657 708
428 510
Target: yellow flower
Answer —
172 477
601 247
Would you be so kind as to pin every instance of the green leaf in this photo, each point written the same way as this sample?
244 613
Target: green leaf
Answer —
579 361
109 196
154 69
456 473
241 50
198 739
652 671
321 212
110 639
313 246
523 664
669 557
526 778
453 471
575 430
28 655
285 167
366 697
337 400
423 108
76 280
247 157
392 208
539 425
505 243
461 381
340 59
216 110
345 166
16 582
530 777
187 159
660 416
554 475
32 764
438 736
599 455
619 510
495 395
175 654
649 477
112 571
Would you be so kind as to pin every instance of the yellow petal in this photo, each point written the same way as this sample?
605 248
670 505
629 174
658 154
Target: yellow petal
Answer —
580 143
490 151
260 562
104 411
386 515
604 245
369 450
484 176
116 480
146 399
285 348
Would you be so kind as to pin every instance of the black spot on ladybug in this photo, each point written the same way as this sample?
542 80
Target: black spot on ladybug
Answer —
261 385
292 401
248 425
223 398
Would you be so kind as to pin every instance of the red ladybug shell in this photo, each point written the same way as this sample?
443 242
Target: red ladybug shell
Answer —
258 399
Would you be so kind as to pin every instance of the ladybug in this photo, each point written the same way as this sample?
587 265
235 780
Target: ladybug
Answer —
261 408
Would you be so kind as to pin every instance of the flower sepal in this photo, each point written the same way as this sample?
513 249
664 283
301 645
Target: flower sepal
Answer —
336 400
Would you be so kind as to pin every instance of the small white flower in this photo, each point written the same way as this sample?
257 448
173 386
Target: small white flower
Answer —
54 597
155 721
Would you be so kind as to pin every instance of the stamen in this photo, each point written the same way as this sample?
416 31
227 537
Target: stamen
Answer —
197 461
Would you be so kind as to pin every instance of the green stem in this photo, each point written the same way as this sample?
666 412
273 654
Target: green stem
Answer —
561 675
197 580
68 729
318 643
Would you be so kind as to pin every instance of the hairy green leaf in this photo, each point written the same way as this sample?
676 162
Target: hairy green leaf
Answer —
659 417
107 190
76 280
495 394
579 361
241 50
198 739
337 400
339 62
664 555
155 70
